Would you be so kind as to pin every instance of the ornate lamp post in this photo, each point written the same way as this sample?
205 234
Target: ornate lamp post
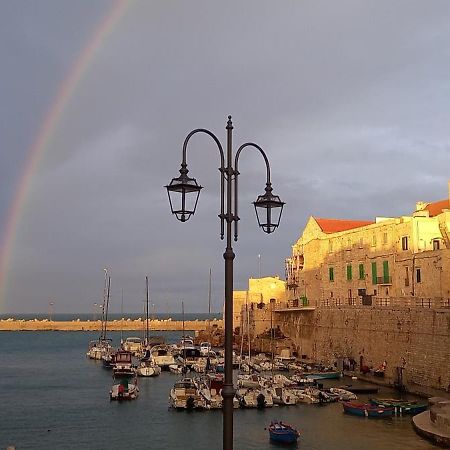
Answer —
183 194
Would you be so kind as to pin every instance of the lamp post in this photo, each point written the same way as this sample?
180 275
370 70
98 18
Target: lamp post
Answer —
183 207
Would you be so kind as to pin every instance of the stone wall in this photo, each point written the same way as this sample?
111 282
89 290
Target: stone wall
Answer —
416 339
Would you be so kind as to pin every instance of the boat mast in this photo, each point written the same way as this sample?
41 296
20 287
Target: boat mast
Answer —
184 339
105 290
121 320
107 304
146 312
248 324
209 299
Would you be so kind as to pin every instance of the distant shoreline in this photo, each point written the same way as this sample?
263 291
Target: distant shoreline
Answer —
113 325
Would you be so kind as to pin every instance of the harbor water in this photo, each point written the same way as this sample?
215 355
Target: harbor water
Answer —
53 397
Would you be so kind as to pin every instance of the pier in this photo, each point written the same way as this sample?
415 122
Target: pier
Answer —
113 325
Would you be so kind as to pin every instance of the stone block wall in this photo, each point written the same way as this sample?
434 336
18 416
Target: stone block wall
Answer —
416 339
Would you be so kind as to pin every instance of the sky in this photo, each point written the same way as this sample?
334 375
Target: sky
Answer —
348 99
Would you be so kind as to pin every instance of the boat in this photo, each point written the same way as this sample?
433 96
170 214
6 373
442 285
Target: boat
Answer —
123 364
205 348
124 390
162 355
147 366
331 375
343 394
360 389
283 433
185 395
367 410
132 344
102 346
411 407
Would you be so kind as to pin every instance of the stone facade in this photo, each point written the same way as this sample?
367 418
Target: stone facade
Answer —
390 261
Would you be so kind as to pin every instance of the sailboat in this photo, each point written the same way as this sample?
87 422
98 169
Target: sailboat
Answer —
101 347
147 366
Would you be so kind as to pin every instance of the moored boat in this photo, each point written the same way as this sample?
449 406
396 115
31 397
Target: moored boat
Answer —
122 365
401 407
124 390
185 395
367 410
283 433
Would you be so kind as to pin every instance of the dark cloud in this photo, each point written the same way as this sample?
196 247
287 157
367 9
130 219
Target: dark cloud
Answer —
349 100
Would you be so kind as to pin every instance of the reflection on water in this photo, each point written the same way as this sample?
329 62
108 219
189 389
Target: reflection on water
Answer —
55 398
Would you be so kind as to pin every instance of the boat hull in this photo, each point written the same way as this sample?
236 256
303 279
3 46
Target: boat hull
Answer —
367 410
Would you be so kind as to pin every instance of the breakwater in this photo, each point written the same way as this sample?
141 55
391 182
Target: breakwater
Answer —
113 325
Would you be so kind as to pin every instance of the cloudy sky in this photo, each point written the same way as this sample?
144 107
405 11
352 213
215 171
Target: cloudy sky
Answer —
349 100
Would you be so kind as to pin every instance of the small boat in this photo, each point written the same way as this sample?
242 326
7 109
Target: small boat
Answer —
360 389
124 390
162 355
343 394
147 367
401 407
283 433
122 365
367 410
205 348
331 375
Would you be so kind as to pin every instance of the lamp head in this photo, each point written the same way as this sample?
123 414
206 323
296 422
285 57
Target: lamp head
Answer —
183 206
268 208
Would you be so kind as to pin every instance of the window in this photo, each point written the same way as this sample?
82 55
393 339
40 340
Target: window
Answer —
374 240
418 276
374 273
361 272
385 238
331 273
330 247
436 244
405 243
349 272
361 242
385 271
406 276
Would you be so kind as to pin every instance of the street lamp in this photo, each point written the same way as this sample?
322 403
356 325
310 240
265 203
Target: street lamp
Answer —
183 193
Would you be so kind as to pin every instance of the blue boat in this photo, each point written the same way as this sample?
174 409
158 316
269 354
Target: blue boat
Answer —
330 375
367 410
283 433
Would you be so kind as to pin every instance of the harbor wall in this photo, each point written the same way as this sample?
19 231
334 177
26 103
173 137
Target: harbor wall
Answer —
115 325
416 340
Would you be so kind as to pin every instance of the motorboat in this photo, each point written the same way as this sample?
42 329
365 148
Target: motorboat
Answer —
162 355
123 364
132 344
367 410
185 395
124 390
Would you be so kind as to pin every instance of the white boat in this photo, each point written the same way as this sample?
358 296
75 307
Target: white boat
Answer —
122 364
343 394
283 396
185 395
249 381
133 344
162 355
147 366
124 390
205 348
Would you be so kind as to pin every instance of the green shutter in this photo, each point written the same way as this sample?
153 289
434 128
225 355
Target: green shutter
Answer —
386 271
374 273
349 272
361 272
331 272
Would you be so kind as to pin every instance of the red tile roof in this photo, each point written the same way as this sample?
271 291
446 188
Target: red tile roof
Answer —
336 225
436 208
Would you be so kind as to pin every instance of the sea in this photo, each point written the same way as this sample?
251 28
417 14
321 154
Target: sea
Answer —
53 397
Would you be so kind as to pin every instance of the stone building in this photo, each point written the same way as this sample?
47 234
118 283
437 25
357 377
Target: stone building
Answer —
260 292
396 261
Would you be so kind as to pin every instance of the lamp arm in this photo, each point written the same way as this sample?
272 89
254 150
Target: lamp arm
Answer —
221 169
236 162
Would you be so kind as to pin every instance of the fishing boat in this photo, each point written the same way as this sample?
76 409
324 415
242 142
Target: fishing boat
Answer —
283 433
367 410
331 375
123 365
124 390
401 407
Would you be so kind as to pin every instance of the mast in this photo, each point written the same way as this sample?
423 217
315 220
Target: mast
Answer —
107 304
248 324
209 299
271 334
121 320
146 312
105 290
184 339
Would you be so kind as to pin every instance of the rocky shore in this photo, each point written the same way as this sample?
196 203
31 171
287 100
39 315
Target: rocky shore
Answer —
114 325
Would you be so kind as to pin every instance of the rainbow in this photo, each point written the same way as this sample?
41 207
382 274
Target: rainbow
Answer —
49 125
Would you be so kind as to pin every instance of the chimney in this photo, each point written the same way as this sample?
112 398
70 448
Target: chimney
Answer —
421 205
